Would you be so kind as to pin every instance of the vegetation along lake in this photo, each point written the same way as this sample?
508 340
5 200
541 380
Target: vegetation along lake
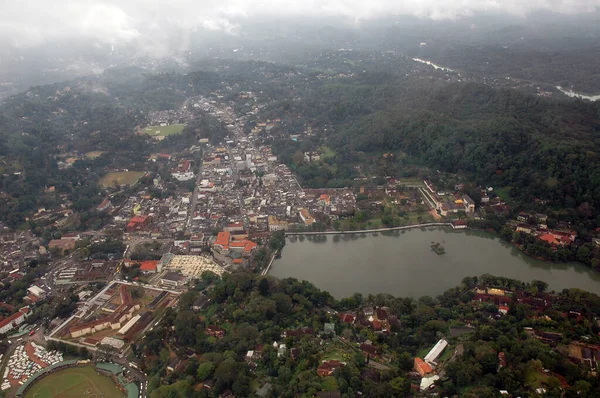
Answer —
404 264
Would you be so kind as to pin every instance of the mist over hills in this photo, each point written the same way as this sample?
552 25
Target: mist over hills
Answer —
460 42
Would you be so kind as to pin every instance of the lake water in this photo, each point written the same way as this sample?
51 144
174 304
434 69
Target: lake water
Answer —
578 95
403 264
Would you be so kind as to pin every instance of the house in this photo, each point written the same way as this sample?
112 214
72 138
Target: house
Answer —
62 246
347 318
327 368
328 328
148 267
501 360
36 291
428 382
435 352
526 228
215 331
137 222
234 227
549 238
172 279
382 313
298 333
305 216
369 350
459 224
422 367
469 204
104 206
277 225
7 324
199 303
295 353
282 350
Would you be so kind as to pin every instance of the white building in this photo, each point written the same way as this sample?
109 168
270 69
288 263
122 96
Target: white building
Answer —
185 176
435 352
8 324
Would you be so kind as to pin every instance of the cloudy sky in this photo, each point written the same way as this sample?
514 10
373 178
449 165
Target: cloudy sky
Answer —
25 23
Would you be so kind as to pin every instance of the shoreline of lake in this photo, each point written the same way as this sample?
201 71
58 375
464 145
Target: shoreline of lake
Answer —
402 262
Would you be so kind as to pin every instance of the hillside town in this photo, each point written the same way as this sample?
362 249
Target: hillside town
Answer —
221 207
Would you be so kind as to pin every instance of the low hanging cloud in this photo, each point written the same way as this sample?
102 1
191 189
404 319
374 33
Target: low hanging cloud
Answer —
152 23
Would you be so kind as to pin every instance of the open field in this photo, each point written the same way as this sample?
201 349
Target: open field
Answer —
326 152
74 382
504 193
94 154
164 131
121 178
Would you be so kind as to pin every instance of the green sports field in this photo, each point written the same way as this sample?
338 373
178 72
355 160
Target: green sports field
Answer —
74 383
163 131
120 178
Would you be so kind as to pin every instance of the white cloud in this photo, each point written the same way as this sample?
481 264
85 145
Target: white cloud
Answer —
152 23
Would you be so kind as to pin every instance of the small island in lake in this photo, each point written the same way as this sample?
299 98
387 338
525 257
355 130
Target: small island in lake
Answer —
437 248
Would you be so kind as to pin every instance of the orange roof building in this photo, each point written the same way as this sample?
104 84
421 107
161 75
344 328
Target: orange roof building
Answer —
422 367
549 238
247 245
148 266
223 239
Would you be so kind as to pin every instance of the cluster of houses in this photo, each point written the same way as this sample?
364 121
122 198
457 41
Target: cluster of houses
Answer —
536 225
183 171
168 117
333 202
17 248
446 202
377 319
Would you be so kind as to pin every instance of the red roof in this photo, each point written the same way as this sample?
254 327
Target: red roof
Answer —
238 261
422 367
138 219
376 324
248 245
502 359
223 239
13 317
550 239
149 265
347 318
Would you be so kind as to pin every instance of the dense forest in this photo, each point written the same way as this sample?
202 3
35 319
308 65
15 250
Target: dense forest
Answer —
572 66
543 148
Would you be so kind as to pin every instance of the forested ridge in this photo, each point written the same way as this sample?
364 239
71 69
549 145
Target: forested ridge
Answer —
546 148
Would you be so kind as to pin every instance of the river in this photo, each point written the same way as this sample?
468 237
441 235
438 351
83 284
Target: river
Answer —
403 264
573 94
432 64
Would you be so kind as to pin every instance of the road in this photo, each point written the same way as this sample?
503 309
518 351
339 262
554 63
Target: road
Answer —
194 201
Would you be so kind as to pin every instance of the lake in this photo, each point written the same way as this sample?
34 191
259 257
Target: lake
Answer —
403 264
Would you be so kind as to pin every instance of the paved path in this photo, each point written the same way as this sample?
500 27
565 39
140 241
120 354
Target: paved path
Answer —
425 225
